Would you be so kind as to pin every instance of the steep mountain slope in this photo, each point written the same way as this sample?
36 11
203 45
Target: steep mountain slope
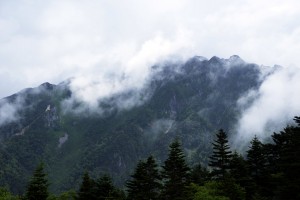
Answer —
190 101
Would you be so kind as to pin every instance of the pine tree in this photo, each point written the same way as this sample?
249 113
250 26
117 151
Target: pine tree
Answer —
256 159
86 188
37 188
238 168
199 175
104 189
145 182
175 174
240 173
220 159
289 162
153 181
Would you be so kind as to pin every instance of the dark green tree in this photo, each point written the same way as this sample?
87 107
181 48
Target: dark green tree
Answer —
86 188
257 162
5 194
153 180
289 162
220 159
256 159
145 182
239 169
199 175
37 188
176 173
104 189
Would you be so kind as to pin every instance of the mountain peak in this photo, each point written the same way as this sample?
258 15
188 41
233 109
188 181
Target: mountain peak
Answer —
234 57
47 86
215 59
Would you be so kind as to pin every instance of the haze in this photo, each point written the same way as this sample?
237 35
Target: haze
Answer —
54 40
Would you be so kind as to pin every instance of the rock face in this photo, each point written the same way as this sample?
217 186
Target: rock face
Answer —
62 140
190 103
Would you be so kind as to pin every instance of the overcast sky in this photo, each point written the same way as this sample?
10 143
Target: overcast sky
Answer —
57 39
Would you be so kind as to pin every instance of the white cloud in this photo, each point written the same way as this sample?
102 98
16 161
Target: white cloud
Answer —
275 104
9 111
101 42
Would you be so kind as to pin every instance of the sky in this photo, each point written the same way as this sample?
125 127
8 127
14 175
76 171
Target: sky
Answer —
106 47
51 41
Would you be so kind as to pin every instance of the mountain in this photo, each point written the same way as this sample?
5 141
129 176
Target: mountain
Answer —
190 101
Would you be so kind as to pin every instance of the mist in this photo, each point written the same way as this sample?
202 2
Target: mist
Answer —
273 106
9 110
129 85
51 41
107 48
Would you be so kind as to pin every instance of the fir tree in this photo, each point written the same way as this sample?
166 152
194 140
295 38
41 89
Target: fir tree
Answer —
257 162
175 174
220 159
289 162
104 189
199 175
256 159
37 188
240 173
145 182
239 169
86 188
153 181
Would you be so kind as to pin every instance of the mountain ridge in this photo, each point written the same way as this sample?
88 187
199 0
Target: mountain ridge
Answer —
190 103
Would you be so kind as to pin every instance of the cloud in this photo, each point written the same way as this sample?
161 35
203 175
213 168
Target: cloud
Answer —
273 106
54 40
9 110
108 47
133 75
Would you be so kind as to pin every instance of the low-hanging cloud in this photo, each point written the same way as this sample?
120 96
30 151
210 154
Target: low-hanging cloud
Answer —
54 40
132 77
9 110
273 106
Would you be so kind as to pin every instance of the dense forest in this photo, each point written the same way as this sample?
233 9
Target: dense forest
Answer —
264 171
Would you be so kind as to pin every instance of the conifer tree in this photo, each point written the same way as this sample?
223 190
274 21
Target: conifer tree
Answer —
240 173
289 162
199 175
256 159
86 188
153 181
221 156
175 174
145 182
239 169
104 189
37 188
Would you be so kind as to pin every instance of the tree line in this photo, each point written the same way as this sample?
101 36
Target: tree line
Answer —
266 171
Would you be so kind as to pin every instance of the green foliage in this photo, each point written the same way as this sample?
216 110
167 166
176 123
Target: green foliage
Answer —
68 195
239 169
175 173
145 182
104 189
220 159
86 188
289 162
100 189
209 191
199 175
239 172
256 159
37 188
6 195
231 189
